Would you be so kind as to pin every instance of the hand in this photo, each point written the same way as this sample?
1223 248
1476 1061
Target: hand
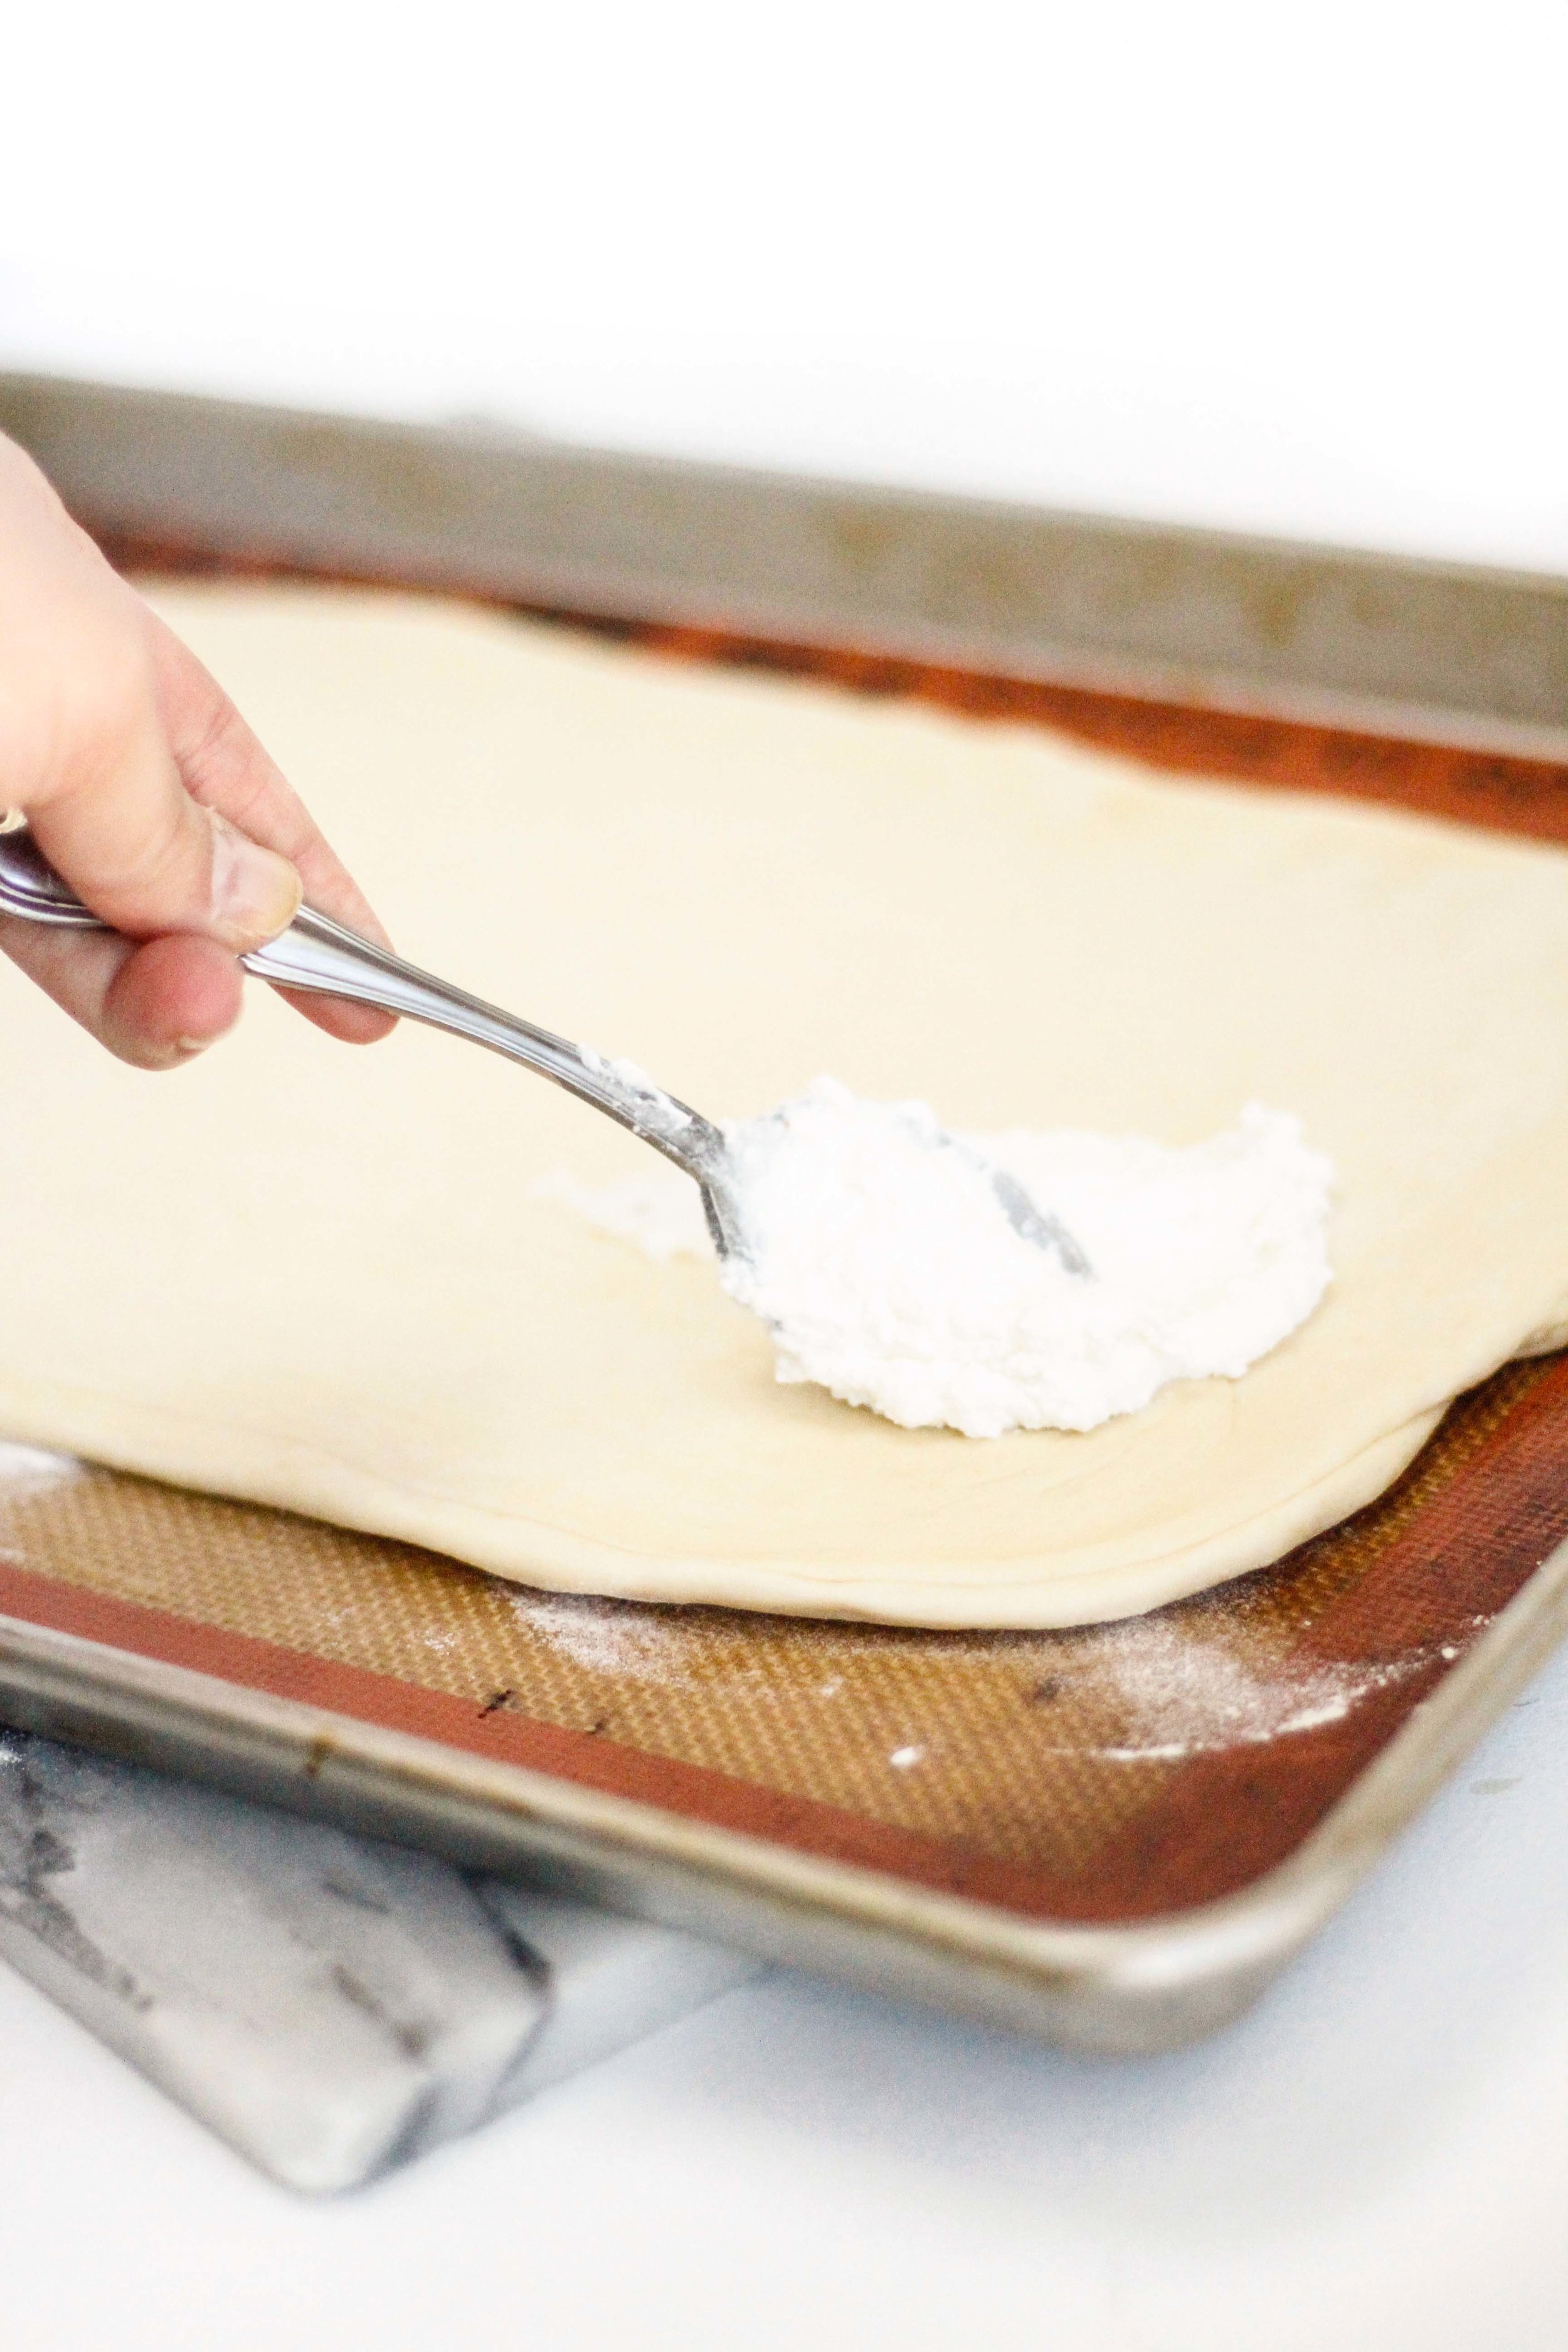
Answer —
147 790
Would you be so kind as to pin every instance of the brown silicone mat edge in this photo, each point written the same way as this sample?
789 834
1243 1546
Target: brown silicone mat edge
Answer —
1132 1989
1375 1614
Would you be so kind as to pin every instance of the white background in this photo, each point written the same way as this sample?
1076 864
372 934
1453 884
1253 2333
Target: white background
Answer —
1296 270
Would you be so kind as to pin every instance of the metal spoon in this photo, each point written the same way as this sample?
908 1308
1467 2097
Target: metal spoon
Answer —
323 958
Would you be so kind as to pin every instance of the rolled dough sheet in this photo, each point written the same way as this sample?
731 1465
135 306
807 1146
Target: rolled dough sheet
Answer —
316 1276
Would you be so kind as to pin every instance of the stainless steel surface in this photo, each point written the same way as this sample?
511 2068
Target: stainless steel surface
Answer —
1453 652
1123 1989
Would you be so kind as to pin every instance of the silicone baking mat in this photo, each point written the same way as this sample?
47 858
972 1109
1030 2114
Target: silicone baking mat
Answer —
1109 1775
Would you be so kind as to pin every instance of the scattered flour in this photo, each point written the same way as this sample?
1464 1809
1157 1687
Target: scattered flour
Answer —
658 1209
30 1470
889 1272
1155 1691
607 1637
1178 1695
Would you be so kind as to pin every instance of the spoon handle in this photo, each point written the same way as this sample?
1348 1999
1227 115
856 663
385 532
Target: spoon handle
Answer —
322 958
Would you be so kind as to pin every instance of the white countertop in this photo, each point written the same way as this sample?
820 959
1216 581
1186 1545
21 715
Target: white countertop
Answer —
1253 271
1374 2159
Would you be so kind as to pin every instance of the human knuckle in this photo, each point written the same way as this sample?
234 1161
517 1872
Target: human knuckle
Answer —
220 740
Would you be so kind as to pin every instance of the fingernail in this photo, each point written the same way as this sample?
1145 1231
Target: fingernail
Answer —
256 894
186 1047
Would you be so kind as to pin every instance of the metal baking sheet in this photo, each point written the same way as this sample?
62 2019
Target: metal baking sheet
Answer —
1112 1836
1452 653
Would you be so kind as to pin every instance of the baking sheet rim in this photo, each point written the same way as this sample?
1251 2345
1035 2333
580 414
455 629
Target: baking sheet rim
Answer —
1143 1986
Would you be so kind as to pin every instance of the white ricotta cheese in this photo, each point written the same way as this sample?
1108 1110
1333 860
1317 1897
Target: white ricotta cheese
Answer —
889 1273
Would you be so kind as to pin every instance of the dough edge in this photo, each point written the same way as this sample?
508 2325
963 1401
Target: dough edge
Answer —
236 1464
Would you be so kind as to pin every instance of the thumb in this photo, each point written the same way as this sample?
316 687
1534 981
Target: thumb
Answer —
147 858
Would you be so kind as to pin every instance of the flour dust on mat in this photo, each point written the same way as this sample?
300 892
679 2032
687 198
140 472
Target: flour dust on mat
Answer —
890 1272
1177 1691
26 1470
